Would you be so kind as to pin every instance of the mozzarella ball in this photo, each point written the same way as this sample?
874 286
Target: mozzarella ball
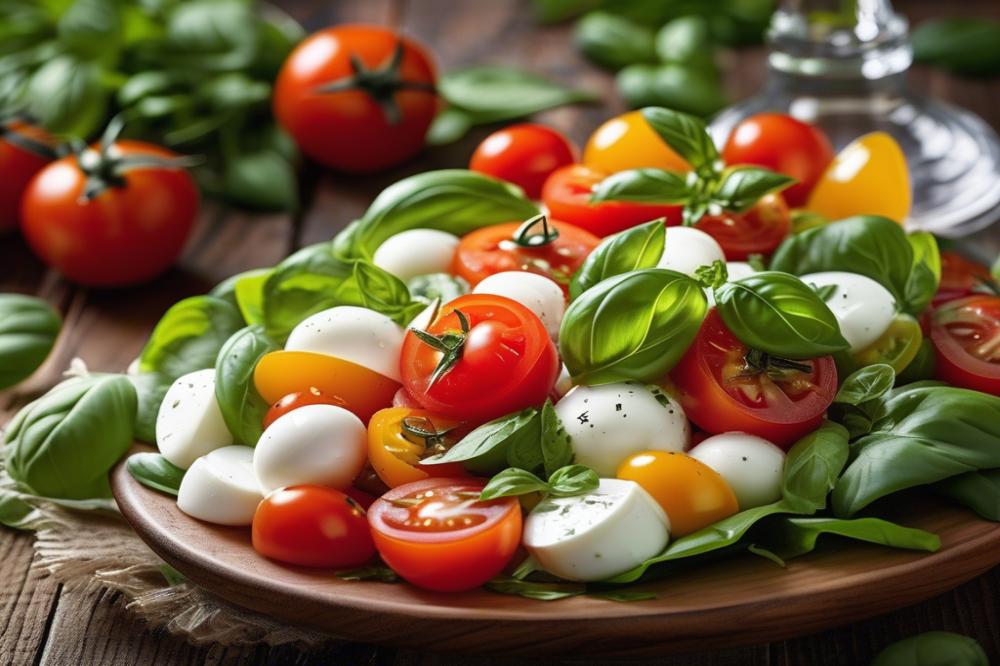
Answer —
564 382
608 423
536 292
221 488
416 252
685 249
863 307
596 535
751 465
189 423
358 335
738 270
320 444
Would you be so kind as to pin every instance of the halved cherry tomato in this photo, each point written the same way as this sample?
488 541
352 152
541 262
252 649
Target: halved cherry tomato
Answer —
400 437
966 338
312 526
784 144
437 535
494 249
628 142
691 493
722 392
524 155
567 196
960 277
18 167
504 361
292 401
760 230
897 346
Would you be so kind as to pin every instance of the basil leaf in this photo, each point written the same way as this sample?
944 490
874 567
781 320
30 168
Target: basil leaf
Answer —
779 314
14 511
686 135
66 96
868 383
925 275
963 45
453 200
556 450
695 90
383 292
869 245
379 572
484 450
449 125
496 93
791 537
249 293
536 591
28 330
150 388
687 40
242 408
634 326
612 41
980 491
623 596
630 250
154 471
226 290
189 335
443 286
261 180
573 480
91 28
934 648
218 35
64 443
646 185
512 482
922 367
742 186
921 435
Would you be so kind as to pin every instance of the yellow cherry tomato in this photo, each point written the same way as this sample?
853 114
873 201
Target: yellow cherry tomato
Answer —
692 493
868 177
898 346
364 391
400 437
628 142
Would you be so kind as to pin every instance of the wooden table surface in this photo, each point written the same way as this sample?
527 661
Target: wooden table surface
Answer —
40 623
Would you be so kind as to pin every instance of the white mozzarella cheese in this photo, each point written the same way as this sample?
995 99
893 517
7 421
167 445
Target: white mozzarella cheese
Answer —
416 252
564 382
685 249
359 335
597 535
536 292
221 488
189 423
751 465
862 306
738 270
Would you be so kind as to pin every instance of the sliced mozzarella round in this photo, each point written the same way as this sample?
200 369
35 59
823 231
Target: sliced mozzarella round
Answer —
221 487
320 444
862 306
189 423
685 249
608 423
597 535
416 252
536 292
359 335
751 465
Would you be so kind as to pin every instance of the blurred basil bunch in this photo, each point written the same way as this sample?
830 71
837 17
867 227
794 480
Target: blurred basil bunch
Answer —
192 75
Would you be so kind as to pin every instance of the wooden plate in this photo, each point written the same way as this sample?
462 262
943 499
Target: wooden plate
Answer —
744 600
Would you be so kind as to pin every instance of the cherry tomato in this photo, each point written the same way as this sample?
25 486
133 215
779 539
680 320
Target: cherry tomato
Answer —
494 249
897 346
437 535
628 142
567 196
506 361
966 338
400 437
360 496
312 526
128 233
18 167
721 392
781 143
760 230
524 155
960 277
692 493
357 121
292 401
868 177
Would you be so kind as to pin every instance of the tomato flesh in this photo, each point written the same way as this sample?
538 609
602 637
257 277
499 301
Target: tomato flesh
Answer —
523 154
960 277
966 338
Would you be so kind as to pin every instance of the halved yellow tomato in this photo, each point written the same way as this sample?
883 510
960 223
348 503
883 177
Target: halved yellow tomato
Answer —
898 346
628 142
400 437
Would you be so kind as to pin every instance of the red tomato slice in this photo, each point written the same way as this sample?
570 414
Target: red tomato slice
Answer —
966 338
760 230
960 277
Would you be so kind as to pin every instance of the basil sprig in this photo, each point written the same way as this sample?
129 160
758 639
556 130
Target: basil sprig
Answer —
792 536
563 482
630 250
28 330
154 471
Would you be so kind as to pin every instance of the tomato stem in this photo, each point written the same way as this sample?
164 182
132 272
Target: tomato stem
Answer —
421 430
450 344
760 362
527 234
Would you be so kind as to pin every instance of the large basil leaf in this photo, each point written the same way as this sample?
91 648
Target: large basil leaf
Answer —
64 443
249 294
493 93
980 491
154 471
779 314
226 290
934 648
687 135
630 250
453 200
869 245
150 388
28 330
634 326
242 407
926 273
920 435
644 185
789 536
189 335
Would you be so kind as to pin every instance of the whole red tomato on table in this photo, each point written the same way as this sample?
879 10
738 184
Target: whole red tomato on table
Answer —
24 151
523 154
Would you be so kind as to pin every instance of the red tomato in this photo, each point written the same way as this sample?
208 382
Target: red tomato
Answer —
960 277
435 534
293 401
720 395
18 167
312 526
379 118
781 143
567 196
760 230
524 155
492 250
126 234
507 361
966 338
